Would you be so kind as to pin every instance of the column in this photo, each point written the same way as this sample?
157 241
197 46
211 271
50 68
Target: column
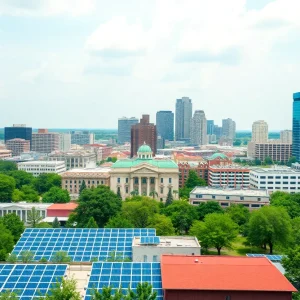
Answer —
156 185
140 185
148 186
131 185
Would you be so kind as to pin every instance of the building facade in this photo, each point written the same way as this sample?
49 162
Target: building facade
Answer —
4 153
165 124
199 128
45 141
75 159
143 132
18 131
18 146
82 137
64 141
296 126
39 167
252 199
145 176
286 136
274 179
93 177
124 129
201 168
183 118
228 128
210 127
260 132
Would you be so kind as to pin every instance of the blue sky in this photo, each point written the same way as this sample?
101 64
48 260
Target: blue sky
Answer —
84 63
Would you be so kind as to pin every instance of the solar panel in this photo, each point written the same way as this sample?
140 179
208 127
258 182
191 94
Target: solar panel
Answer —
150 240
124 275
269 256
30 281
81 244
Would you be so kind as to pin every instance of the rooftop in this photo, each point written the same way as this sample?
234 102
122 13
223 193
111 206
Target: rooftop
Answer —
73 153
233 192
129 163
42 162
296 96
218 155
276 170
222 273
99 172
63 206
169 241
25 205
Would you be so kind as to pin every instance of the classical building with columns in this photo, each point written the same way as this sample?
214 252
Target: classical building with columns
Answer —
145 176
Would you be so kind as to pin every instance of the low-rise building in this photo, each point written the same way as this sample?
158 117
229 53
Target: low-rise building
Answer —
18 146
61 211
150 249
41 167
5 153
93 177
251 199
278 178
76 158
201 168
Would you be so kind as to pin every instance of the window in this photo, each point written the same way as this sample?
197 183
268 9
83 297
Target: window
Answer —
161 180
277 182
258 199
102 182
224 204
285 177
154 258
213 197
126 180
293 177
270 177
255 205
161 190
285 182
152 180
145 258
270 182
119 180
136 180
278 177
170 180
144 180
263 177
89 182
198 196
262 182
126 189
227 197
241 198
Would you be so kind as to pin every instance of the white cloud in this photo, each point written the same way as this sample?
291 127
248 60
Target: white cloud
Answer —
46 7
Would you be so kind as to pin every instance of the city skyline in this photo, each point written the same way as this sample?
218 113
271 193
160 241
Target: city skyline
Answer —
70 64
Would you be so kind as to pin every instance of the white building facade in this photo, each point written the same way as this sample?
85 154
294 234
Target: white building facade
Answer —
41 167
199 128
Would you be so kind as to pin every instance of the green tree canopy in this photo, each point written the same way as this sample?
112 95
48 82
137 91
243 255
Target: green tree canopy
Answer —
169 198
217 230
238 213
6 242
8 295
30 194
82 187
34 217
43 225
6 166
296 231
60 257
208 207
44 182
100 203
291 160
91 223
13 223
162 224
194 180
26 256
64 290
55 223
268 160
270 226
119 221
21 178
7 186
56 195
182 215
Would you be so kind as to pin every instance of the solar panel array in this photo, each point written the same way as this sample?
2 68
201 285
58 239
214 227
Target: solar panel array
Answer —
29 281
269 256
150 240
80 244
124 275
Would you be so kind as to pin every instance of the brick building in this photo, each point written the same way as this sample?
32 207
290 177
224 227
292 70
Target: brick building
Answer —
18 146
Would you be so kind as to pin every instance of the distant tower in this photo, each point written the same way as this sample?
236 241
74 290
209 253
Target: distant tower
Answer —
199 128
18 131
165 124
210 127
296 126
183 119
260 132
124 129
143 132
228 128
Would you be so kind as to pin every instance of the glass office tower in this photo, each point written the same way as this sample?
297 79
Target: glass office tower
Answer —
296 126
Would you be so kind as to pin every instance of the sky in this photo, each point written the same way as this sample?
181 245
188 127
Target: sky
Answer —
85 63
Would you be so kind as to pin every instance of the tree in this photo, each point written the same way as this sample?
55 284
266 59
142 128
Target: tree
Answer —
82 187
268 160
34 217
153 194
194 180
100 203
6 242
269 226
55 223
6 166
44 182
114 256
217 230
119 221
18 196
107 293
12 259
43 225
162 224
184 193
26 256
291 160
119 193
30 194
7 186
21 178
175 192
64 290
238 213
91 223
134 193
8 295
13 223
56 195
143 292
208 207
169 199
60 257
296 230
182 215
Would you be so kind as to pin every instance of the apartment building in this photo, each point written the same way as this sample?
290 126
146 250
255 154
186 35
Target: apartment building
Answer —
37 168
5 153
45 142
18 146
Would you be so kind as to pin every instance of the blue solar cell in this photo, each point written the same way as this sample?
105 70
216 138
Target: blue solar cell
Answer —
270 257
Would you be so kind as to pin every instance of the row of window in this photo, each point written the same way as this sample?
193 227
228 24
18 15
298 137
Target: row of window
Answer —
225 204
127 190
144 180
278 182
88 181
277 177
199 196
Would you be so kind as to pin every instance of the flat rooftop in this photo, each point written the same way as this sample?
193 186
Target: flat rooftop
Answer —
42 162
276 170
232 192
231 167
25 205
170 241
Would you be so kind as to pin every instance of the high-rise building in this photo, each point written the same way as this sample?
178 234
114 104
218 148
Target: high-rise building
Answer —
217 131
82 137
199 128
44 141
18 131
64 141
18 146
296 126
143 132
210 127
183 119
260 131
165 124
228 128
124 129
286 136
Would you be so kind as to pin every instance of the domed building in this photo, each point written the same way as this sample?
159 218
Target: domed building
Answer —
144 175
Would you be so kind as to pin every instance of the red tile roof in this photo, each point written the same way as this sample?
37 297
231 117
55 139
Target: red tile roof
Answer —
222 273
63 206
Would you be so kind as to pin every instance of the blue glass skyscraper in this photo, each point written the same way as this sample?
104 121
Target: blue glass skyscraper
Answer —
296 126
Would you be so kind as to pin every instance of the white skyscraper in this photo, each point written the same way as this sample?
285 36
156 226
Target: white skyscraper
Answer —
286 136
260 131
228 128
199 128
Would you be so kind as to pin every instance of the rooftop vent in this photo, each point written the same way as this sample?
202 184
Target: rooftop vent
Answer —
196 260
